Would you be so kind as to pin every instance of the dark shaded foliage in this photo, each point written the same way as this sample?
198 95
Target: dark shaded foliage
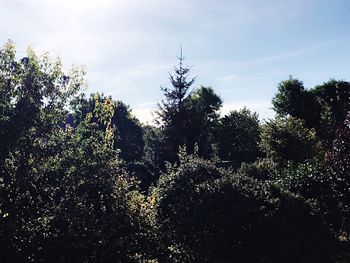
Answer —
127 130
292 99
204 106
238 136
173 114
288 139
211 215
338 169
63 196
81 180
323 107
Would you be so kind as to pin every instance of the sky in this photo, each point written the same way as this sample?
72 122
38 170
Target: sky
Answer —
242 49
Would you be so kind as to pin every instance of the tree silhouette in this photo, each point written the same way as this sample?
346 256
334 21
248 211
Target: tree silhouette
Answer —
172 113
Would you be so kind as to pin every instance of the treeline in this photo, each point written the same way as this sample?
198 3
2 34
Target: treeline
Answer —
82 180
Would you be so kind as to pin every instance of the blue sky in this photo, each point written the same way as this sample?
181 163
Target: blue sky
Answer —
242 49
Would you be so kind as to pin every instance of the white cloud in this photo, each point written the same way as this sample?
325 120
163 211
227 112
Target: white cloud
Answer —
128 47
289 54
145 114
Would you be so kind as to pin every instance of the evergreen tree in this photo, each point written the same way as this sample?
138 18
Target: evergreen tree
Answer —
172 113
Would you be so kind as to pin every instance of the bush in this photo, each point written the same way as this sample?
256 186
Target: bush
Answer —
207 214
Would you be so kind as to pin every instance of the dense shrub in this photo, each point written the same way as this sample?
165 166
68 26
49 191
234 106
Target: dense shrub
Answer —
211 215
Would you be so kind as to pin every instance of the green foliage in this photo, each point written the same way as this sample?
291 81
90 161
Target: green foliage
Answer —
261 169
81 180
127 130
128 133
34 96
334 97
173 113
238 136
288 139
33 93
338 170
293 100
207 214
154 140
311 181
204 106
63 196
323 107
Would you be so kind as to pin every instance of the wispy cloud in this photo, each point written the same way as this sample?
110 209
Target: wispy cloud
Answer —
290 54
128 47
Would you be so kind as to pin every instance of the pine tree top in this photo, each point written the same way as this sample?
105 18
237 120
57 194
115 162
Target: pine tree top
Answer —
174 96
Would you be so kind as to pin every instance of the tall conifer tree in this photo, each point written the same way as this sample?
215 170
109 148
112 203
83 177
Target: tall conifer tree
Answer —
172 113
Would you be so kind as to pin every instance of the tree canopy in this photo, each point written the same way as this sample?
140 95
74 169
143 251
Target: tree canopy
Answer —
83 180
